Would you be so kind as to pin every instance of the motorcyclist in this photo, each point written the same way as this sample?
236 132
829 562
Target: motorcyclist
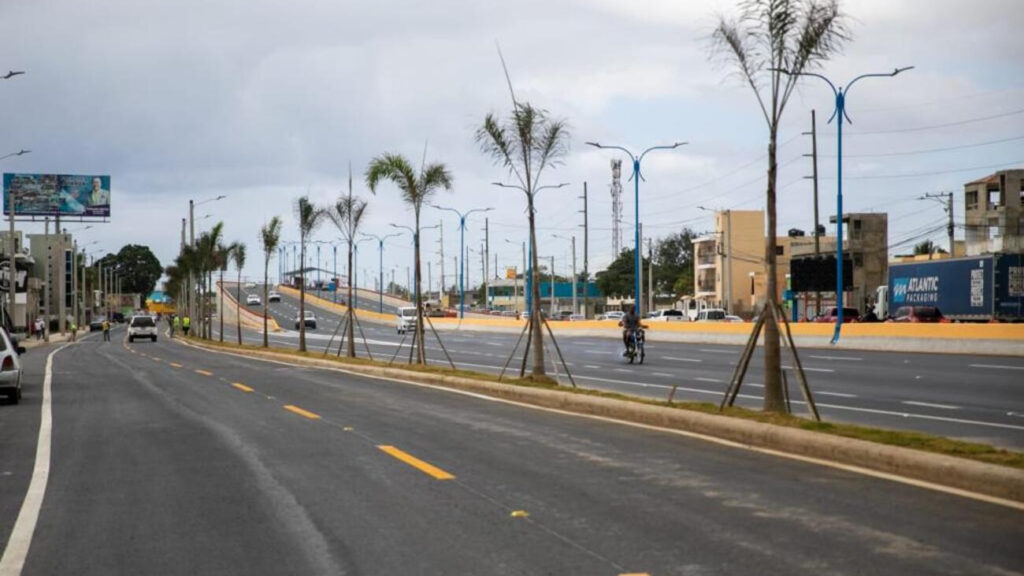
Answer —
630 323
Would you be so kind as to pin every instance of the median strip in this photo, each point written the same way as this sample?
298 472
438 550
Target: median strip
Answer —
302 412
425 467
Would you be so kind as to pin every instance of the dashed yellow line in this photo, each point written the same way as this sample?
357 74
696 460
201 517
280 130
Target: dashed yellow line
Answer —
155 359
241 387
425 467
175 364
302 412
203 372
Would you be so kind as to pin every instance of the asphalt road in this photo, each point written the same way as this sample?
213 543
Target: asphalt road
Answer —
170 460
975 398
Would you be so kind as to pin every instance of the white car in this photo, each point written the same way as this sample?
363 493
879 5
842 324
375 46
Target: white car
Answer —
10 366
405 319
712 315
253 300
141 327
273 297
613 315
669 315
731 318
250 284
309 320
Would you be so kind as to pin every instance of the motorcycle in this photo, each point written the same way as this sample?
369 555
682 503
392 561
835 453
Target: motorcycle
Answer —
635 346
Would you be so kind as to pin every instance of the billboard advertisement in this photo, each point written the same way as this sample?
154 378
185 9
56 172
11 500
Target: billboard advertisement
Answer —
57 195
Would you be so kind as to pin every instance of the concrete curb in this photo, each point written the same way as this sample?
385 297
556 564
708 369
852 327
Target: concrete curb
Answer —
959 474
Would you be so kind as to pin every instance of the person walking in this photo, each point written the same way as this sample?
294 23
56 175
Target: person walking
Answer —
174 323
106 330
186 323
74 331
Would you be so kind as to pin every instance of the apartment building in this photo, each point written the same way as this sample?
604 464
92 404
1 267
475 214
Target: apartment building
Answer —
993 213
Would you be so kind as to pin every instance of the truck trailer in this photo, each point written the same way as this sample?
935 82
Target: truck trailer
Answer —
972 289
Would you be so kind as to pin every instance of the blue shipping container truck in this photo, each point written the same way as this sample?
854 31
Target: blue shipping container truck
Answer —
978 288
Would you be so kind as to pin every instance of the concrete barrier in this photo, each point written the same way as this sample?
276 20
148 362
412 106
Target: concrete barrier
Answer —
1001 483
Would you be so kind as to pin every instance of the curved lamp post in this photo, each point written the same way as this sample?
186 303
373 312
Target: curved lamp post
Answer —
462 250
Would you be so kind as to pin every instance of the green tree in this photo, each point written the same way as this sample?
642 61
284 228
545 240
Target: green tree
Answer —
779 39
416 189
673 264
928 247
270 238
309 217
138 268
347 214
618 279
238 257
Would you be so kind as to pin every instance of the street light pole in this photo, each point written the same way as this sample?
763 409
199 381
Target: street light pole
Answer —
839 113
462 251
380 247
574 279
636 207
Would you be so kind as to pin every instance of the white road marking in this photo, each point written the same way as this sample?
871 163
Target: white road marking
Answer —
717 351
592 367
663 374
623 370
851 358
16 552
930 405
809 369
996 366
594 352
839 394
702 379
673 358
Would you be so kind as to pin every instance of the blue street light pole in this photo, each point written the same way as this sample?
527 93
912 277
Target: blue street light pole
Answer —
380 247
414 293
839 113
636 209
462 250
355 268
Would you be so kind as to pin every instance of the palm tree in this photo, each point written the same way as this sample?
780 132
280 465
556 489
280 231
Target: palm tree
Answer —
309 217
222 256
347 214
780 39
238 257
525 144
270 237
416 189
206 255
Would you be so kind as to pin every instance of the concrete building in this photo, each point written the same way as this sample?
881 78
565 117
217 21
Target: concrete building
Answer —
54 251
508 294
993 213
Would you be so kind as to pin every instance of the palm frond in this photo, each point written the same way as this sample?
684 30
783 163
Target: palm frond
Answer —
270 235
398 170
238 255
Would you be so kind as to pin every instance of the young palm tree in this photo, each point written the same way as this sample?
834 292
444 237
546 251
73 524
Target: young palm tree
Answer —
309 217
207 254
238 257
223 258
525 144
416 189
347 214
270 237
779 39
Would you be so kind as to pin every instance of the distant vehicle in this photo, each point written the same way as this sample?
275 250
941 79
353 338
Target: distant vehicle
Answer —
577 318
250 284
273 297
613 315
670 315
692 307
731 318
563 315
97 323
711 315
850 315
919 314
309 320
435 313
10 366
118 317
509 313
142 327
253 300
405 319
972 289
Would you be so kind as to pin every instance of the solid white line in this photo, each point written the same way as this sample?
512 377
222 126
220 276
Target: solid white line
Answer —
835 358
680 359
703 379
808 369
592 367
717 351
930 405
996 366
839 394
21 537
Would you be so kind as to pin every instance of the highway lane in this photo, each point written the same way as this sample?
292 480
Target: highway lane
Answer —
175 461
975 398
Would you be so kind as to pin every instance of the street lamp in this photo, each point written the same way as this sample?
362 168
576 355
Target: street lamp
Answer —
636 206
574 279
18 153
462 249
839 113
355 268
192 242
414 239
380 247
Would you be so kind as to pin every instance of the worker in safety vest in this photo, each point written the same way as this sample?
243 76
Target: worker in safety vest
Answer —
186 322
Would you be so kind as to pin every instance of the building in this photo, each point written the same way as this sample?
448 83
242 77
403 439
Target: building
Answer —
508 294
53 255
26 296
993 213
729 266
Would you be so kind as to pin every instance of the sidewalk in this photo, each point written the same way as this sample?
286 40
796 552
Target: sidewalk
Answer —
57 337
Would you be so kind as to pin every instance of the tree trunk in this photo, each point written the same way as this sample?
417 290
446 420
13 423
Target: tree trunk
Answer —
238 308
221 293
266 302
302 298
421 357
350 329
773 398
535 317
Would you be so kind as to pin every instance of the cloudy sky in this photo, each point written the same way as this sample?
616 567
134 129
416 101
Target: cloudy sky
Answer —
263 101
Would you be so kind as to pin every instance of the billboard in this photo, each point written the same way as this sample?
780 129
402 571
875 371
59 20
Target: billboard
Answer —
57 195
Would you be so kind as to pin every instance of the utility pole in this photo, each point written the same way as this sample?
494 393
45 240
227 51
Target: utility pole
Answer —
440 240
814 176
49 275
575 310
483 271
586 261
947 199
650 275
552 287
486 255
728 261
638 298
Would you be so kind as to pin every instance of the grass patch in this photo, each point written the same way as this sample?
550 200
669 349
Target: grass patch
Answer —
905 439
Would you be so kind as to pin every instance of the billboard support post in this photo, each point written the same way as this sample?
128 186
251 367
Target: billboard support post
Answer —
12 271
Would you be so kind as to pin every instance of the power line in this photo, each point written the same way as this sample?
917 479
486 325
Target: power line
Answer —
919 174
935 126
926 151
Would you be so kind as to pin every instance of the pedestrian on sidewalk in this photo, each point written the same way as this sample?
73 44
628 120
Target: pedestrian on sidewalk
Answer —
106 330
40 328
174 322
185 324
74 331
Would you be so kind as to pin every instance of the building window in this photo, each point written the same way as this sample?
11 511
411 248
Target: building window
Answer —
780 250
993 228
971 198
994 197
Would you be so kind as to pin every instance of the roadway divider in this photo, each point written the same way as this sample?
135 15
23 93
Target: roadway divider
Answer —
324 304
249 319
1002 485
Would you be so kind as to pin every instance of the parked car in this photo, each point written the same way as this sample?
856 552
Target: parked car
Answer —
850 315
919 314
10 366
97 323
142 327
118 317
711 315
612 315
731 318
273 297
405 319
577 318
253 300
563 315
670 315
309 320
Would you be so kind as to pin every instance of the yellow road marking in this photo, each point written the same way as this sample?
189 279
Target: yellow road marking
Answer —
204 372
175 364
636 574
155 359
241 387
415 462
524 514
302 412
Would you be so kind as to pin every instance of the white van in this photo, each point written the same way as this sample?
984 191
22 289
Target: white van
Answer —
405 319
